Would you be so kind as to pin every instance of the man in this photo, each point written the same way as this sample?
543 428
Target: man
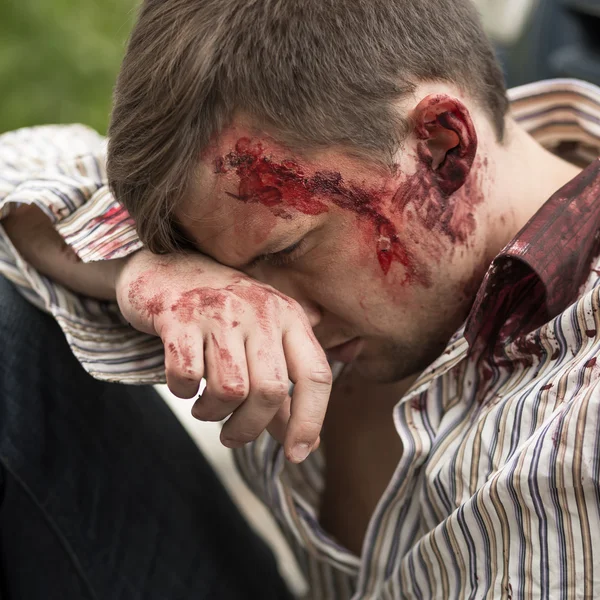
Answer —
341 180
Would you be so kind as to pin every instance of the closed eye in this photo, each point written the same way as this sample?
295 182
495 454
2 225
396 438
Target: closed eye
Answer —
283 257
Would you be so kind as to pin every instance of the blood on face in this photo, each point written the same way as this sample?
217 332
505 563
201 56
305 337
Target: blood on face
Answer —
284 187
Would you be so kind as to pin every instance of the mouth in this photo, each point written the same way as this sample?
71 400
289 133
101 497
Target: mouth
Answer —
346 352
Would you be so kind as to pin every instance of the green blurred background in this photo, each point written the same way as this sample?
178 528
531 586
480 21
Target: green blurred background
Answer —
59 60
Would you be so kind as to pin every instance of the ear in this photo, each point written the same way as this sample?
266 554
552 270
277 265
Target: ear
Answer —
449 140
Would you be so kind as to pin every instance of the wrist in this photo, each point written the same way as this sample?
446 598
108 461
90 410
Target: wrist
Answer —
112 273
118 273
128 277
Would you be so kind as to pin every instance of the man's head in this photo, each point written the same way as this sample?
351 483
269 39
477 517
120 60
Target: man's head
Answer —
357 129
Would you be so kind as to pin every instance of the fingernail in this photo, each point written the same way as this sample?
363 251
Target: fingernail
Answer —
300 452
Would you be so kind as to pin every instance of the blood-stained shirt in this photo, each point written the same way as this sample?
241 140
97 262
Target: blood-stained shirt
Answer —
497 492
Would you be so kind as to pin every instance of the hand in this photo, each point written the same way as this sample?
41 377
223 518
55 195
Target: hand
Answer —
245 338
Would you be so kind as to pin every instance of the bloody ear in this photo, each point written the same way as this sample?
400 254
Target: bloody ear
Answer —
449 140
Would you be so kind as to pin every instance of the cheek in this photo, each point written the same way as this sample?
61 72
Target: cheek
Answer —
385 257
367 295
353 281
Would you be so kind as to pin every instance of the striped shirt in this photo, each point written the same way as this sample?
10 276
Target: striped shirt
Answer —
497 493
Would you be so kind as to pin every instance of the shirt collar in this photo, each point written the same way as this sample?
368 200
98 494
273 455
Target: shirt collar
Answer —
539 273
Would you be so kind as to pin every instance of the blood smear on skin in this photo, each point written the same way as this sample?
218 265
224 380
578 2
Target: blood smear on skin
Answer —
284 186
197 301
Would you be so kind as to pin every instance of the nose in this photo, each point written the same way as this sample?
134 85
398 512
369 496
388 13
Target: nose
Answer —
311 308
312 311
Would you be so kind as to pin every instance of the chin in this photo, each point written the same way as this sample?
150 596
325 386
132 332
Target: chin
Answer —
381 370
390 362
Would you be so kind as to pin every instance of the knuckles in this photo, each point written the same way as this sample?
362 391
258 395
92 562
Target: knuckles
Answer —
272 393
295 306
230 392
321 375
187 377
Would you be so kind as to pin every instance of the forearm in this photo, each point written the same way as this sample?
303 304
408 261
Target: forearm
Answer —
41 246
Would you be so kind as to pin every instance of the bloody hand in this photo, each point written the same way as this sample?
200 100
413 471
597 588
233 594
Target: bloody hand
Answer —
244 337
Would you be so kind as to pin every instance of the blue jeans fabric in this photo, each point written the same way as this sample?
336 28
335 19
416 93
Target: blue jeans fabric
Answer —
103 495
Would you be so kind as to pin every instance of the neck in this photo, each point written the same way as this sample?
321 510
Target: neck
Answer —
525 176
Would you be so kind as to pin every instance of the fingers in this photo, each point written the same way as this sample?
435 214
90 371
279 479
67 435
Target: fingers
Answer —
278 426
309 370
268 392
226 378
248 371
184 364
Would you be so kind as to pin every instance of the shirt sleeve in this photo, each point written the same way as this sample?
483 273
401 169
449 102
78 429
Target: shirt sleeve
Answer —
62 170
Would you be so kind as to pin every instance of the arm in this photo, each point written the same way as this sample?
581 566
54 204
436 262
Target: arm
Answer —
40 245
61 171
165 296
56 208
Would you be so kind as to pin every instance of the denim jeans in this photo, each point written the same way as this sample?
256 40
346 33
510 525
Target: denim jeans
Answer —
103 495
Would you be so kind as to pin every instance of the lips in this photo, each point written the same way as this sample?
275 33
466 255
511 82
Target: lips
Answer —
346 352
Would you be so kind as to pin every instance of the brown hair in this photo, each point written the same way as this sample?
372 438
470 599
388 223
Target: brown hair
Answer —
318 72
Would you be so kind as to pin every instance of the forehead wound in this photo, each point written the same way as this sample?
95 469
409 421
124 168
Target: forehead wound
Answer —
285 187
